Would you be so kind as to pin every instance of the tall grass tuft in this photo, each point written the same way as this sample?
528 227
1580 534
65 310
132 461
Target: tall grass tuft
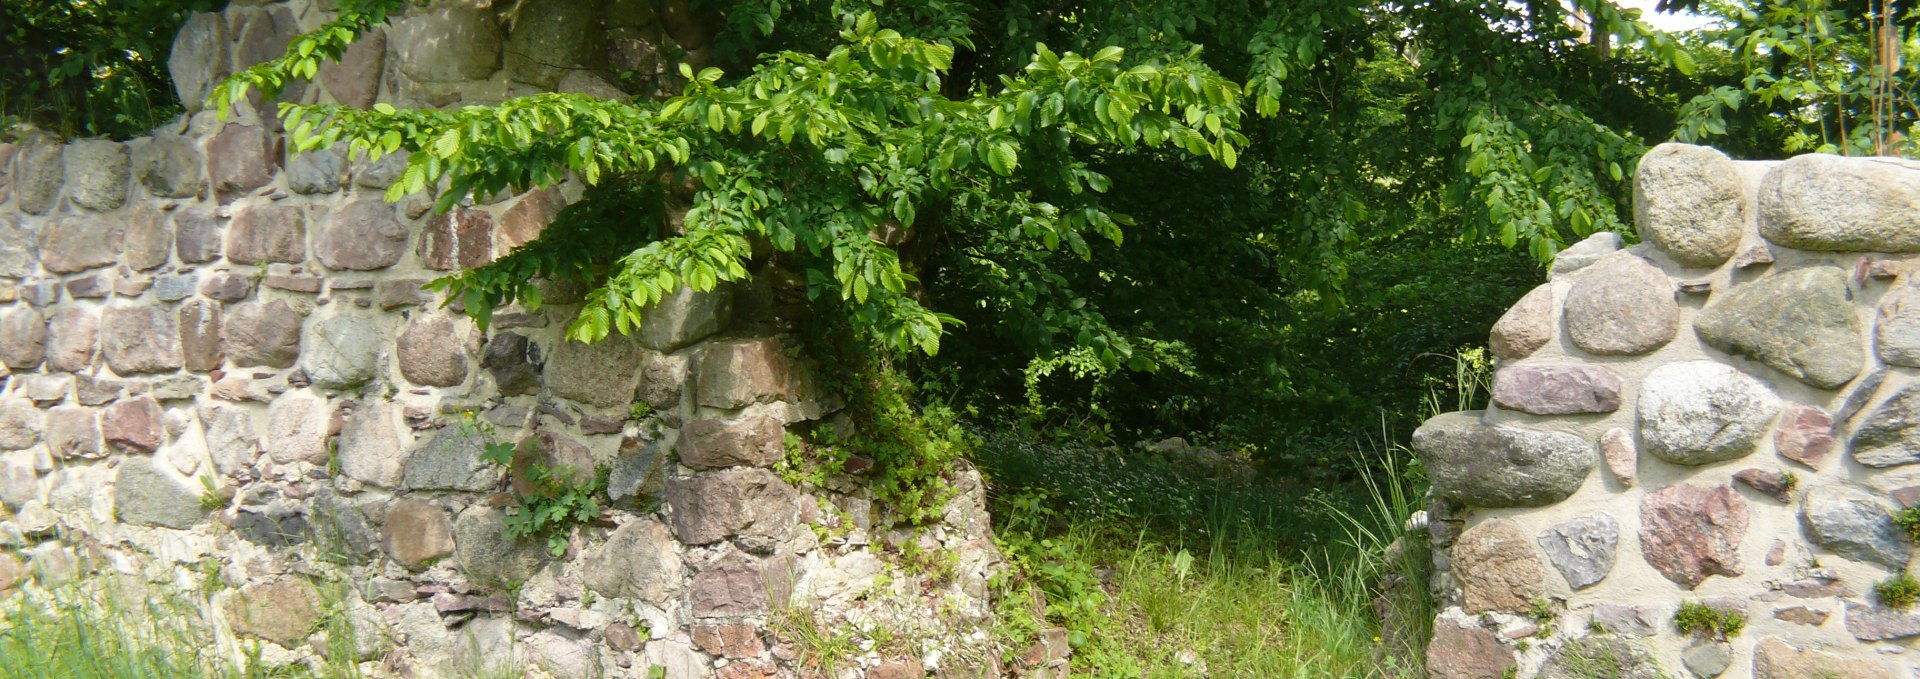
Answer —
105 627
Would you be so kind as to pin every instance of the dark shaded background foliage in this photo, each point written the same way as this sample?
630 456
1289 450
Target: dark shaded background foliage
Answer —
90 67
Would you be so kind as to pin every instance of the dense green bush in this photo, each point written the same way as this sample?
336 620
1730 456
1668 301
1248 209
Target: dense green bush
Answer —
90 67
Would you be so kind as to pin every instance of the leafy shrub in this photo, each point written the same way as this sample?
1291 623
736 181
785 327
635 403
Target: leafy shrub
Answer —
1698 618
90 68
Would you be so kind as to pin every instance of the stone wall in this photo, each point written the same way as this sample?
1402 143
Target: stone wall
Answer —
1726 414
223 375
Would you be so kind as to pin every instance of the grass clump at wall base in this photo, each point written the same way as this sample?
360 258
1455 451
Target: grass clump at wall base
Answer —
1697 618
106 628
1164 569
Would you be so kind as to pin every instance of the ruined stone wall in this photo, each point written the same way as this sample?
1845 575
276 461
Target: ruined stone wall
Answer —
1726 414
223 375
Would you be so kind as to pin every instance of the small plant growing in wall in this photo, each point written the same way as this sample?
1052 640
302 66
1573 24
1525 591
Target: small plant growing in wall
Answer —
1899 592
1909 522
1700 619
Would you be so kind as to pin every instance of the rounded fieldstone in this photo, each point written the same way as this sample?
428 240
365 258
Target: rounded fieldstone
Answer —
140 339
267 232
317 171
1584 253
71 244
240 158
19 246
37 174
552 38
1498 465
146 495
262 334
487 555
1557 389
97 171
640 560
369 445
72 335
1800 322
1689 533
417 533
1701 412
149 238
198 58
1526 327
23 339
341 351
1689 201
1834 203
1855 526
169 166
354 80
1621 306
362 236
432 353
20 424
1897 332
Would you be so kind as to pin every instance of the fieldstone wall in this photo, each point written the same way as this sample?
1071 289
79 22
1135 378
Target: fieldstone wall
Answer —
1726 414
223 374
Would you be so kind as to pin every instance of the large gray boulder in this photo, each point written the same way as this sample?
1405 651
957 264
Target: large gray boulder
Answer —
146 495
198 58
169 166
448 44
1800 322
1689 201
685 317
1833 203
640 560
1500 465
1701 412
1855 526
341 351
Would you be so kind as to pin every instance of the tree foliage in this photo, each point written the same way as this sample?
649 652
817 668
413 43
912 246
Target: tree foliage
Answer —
89 67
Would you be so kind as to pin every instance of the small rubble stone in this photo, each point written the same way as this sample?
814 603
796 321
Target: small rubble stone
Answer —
1805 435
1802 615
140 339
417 533
263 334
1771 484
267 232
1622 457
431 352
132 426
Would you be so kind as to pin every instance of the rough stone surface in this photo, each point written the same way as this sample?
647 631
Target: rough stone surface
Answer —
297 429
604 373
1621 306
71 244
1823 202
1897 332
1557 389
23 339
140 339
551 38
639 560
752 441
1874 623
1497 568
197 237
734 586
283 611
432 353
1526 327
200 345
458 239
146 495
1690 202
169 166
317 171
267 232
487 555
1889 435
513 362
262 334
1582 549
1801 323
1638 621
1689 533
73 431
20 423
231 440
1805 435
1701 412
1621 455
417 533
528 217
132 425
448 44
369 445
19 244
240 158
1774 659
450 460
1462 651
198 58
710 507
37 173
685 317
363 235
1500 466
1584 253
739 373
97 171
1855 526
72 337
341 351
149 238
